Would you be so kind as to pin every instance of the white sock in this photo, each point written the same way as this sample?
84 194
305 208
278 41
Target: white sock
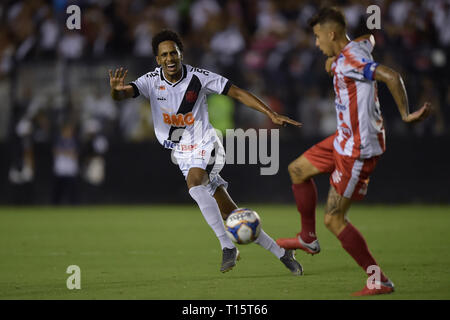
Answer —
267 243
210 210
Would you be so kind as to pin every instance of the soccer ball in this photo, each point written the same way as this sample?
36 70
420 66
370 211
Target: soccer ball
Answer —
243 225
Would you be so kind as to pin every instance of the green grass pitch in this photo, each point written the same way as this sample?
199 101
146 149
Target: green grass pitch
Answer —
169 252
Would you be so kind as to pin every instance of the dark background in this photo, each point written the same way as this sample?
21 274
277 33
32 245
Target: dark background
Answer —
410 171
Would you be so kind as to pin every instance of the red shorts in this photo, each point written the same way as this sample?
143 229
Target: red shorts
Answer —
349 176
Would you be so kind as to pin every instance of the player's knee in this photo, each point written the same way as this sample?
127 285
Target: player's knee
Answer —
296 172
196 178
328 220
335 221
194 182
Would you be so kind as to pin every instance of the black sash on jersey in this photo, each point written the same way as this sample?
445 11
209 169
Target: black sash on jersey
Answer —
189 100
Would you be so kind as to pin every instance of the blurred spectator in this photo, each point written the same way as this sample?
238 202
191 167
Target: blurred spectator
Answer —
243 40
434 125
201 11
95 146
96 30
49 34
6 52
136 122
221 112
22 168
71 45
309 112
98 106
65 166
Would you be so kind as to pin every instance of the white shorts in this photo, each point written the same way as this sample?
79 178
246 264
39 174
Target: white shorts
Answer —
209 156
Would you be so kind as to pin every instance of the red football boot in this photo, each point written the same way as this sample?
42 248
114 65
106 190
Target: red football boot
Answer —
297 243
384 288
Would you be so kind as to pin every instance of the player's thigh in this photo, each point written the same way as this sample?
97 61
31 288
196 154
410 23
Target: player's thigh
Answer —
225 202
351 176
197 177
336 211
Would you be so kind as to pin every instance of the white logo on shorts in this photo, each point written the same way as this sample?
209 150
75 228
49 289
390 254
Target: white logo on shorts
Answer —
336 176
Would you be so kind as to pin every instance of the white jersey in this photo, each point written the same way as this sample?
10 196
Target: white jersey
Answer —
360 130
181 105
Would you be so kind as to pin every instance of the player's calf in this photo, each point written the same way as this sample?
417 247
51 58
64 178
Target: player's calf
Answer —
335 211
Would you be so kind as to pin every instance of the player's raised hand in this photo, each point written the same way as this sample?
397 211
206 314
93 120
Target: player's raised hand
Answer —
283 120
420 114
117 79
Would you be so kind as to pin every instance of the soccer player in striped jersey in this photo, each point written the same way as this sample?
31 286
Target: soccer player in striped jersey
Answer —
177 94
349 155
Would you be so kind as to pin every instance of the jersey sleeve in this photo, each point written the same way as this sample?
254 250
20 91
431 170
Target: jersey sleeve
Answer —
358 62
141 86
215 83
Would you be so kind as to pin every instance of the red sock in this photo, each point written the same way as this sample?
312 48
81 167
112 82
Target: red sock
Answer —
353 242
305 195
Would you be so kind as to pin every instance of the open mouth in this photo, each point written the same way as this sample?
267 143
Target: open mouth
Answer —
172 67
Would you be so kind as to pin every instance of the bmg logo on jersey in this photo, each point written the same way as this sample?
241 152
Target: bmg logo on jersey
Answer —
179 120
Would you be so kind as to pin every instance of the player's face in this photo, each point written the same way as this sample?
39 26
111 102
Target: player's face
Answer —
323 39
169 58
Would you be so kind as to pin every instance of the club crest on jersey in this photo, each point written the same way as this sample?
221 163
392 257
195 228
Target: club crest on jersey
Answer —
346 131
191 96
179 120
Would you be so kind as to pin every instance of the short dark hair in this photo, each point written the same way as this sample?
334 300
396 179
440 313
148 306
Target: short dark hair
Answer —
328 14
166 35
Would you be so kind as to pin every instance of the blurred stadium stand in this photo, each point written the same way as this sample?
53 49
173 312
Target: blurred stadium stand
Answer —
51 76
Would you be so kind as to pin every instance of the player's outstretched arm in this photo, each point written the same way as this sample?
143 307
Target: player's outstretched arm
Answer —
396 86
253 102
119 90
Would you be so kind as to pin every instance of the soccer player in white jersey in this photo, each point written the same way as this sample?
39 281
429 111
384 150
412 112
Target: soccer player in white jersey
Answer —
177 94
349 155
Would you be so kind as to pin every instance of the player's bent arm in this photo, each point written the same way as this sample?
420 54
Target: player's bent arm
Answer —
122 93
395 84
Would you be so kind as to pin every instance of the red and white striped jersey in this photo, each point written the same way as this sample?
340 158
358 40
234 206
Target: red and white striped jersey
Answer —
360 131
